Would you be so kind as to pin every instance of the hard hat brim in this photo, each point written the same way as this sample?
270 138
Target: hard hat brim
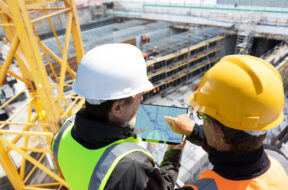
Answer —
146 87
276 122
191 99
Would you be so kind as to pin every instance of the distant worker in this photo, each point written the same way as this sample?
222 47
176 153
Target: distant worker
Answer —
154 51
145 39
239 99
97 148
243 51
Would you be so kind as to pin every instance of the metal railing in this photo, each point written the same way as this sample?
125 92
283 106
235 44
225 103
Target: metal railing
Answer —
274 50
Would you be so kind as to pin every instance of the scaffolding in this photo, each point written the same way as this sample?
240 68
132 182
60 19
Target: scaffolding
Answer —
171 50
173 65
177 42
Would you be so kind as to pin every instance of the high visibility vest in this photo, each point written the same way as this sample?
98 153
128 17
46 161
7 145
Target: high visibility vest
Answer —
89 168
275 178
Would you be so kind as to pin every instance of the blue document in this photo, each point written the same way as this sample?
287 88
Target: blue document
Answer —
150 118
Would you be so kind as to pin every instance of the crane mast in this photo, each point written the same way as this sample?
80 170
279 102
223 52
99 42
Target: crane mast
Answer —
30 129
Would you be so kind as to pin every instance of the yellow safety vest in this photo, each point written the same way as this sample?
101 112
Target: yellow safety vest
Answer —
89 168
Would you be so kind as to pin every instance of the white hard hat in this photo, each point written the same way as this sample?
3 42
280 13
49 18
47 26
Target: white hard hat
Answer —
111 71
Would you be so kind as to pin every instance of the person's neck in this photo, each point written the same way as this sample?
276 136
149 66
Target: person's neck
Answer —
239 165
114 120
222 147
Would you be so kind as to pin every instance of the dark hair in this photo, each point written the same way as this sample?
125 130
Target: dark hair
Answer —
238 140
100 112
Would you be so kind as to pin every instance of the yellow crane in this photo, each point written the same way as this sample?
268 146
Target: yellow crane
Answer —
46 106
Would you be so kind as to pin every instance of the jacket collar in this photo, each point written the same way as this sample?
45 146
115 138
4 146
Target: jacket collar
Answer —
94 134
239 166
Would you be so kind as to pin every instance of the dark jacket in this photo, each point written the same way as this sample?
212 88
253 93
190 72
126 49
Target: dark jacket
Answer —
232 165
134 171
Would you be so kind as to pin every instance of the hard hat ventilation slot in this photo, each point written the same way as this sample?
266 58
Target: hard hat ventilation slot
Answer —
251 71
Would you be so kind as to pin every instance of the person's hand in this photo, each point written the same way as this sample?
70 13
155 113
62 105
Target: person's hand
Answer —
180 124
178 146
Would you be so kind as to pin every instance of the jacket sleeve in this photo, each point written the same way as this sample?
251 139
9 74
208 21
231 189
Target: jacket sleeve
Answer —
136 171
198 137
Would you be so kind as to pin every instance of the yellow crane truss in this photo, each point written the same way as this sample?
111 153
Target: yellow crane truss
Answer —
42 113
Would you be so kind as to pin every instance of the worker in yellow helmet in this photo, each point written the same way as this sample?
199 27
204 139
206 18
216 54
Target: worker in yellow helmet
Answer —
98 148
239 99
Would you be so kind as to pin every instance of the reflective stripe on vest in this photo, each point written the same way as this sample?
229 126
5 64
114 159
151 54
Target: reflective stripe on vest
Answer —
275 178
204 184
108 161
87 168
56 140
281 159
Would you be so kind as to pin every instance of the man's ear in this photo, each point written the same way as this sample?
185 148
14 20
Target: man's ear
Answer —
218 136
217 132
117 108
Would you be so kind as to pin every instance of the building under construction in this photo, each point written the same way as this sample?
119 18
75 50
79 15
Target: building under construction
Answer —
43 42
166 48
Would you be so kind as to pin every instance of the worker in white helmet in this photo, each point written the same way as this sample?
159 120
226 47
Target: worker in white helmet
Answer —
239 99
97 148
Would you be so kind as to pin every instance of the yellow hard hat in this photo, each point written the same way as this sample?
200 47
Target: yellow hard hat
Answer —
242 92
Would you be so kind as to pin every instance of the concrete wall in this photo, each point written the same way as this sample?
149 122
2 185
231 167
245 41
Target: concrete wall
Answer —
261 3
229 45
262 45
59 21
